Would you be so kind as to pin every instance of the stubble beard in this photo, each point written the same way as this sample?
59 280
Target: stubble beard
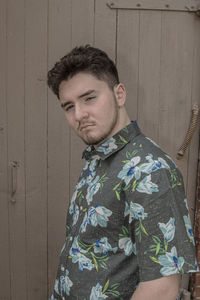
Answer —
89 140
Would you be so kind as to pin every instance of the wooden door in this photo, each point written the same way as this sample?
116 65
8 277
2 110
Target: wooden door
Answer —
156 49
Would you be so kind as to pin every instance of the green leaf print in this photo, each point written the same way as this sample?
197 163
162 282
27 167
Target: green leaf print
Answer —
106 287
154 259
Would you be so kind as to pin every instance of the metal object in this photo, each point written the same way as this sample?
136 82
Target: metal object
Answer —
14 165
191 130
168 5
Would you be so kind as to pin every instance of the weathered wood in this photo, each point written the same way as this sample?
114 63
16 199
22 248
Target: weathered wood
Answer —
194 145
149 72
4 218
128 56
168 5
15 109
59 43
175 84
105 28
36 147
82 34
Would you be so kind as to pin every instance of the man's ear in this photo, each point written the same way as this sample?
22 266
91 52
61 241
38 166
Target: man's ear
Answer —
120 94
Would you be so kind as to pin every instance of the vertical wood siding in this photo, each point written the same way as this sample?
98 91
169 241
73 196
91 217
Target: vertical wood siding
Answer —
157 55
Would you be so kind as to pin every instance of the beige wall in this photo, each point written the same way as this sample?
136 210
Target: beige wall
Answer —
157 54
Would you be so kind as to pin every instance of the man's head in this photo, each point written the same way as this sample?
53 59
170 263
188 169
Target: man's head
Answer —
85 59
86 83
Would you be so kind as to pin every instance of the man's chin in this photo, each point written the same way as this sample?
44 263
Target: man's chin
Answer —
92 140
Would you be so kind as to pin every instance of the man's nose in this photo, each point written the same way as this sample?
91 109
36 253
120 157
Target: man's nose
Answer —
80 113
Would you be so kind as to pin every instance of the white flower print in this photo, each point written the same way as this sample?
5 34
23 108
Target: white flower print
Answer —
92 189
136 212
153 165
130 170
172 264
65 283
108 146
96 293
98 216
102 246
75 215
168 229
71 207
189 228
128 246
77 254
146 186
84 223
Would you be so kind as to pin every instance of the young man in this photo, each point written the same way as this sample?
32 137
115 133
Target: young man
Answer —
128 229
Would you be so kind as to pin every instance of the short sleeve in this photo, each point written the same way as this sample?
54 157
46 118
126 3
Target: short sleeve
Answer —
160 224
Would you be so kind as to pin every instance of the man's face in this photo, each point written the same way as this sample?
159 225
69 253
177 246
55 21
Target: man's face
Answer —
91 108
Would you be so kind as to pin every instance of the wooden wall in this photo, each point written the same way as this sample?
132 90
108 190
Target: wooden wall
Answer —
157 54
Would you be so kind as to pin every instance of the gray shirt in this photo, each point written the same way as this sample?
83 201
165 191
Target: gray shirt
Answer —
127 222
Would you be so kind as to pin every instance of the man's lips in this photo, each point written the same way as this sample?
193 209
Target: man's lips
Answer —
85 126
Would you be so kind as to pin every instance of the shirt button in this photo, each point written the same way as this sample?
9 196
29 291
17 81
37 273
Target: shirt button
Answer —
81 208
71 238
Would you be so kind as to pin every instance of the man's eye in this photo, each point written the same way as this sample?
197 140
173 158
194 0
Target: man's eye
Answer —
68 108
90 98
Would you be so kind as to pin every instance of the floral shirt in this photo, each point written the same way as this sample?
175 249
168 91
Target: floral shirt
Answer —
127 222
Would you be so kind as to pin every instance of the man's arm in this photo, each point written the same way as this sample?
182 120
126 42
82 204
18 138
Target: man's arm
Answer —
165 288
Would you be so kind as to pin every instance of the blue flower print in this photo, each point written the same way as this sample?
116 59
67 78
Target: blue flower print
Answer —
130 170
102 246
71 207
75 215
108 146
128 246
91 172
146 186
189 228
196 267
98 216
172 264
136 212
65 283
80 184
84 223
92 189
127 209
97 294
168 229
85 166
153 165
56 287
78 256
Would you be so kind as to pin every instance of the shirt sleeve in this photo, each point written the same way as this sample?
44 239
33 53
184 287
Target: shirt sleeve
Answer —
160 224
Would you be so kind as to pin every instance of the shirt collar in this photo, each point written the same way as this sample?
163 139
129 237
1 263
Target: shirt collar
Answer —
113 144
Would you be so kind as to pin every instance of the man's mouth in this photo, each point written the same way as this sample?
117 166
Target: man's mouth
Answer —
85 126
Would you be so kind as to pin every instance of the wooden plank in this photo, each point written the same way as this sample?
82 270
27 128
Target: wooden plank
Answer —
15 108
169 5
128 56
194 145
36 147
175 86
83 15
105 28
59 43
149 72
4 217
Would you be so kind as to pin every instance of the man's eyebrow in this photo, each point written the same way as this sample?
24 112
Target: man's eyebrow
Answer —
86 93
81 96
